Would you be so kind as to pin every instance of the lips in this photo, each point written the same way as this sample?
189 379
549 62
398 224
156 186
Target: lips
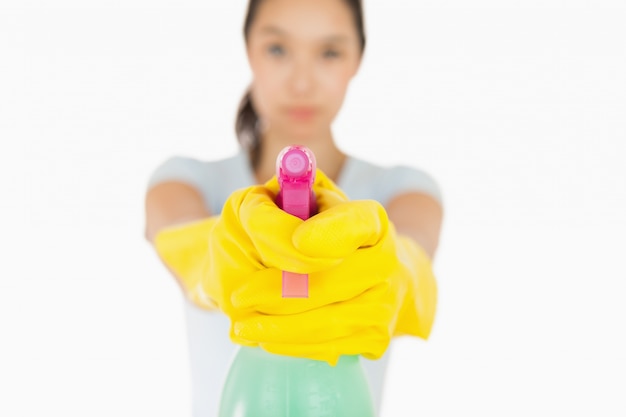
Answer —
301 113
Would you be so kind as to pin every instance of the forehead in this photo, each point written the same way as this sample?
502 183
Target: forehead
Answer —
306 20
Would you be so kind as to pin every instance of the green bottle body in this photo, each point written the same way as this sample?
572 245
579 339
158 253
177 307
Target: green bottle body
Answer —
261 384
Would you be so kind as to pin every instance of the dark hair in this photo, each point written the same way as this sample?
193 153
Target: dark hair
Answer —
247 122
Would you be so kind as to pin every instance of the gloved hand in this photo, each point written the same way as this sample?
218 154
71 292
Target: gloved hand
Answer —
363 285
217 258
399 298
214 257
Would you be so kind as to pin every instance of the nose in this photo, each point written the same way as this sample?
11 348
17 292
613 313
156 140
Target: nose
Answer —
302 78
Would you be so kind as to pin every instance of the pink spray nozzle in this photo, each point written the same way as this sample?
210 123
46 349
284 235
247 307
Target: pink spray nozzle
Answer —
296 163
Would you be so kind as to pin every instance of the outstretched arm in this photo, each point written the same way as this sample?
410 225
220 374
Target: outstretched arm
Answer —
172 203
418 216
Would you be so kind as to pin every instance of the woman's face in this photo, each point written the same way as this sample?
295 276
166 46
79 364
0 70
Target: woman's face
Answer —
303 54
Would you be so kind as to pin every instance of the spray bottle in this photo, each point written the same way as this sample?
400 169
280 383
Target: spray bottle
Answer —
261 384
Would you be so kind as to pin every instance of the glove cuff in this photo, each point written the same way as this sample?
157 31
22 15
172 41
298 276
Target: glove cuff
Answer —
417 314
184 250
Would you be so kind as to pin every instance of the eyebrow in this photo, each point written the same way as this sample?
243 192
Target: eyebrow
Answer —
273 30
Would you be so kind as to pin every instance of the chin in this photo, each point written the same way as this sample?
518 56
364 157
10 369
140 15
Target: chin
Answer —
303 132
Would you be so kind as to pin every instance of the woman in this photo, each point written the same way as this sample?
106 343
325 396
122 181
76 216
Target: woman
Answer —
303 55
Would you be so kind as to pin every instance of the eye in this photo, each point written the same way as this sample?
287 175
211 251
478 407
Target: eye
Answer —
276 50
331 53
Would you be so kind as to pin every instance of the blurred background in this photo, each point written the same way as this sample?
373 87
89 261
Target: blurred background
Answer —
518 109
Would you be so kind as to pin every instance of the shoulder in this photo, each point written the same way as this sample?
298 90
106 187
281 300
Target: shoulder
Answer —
214 180
407 179
386 182
175 168
192 171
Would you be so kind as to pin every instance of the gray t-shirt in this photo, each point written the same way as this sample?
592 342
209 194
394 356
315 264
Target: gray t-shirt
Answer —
359 179
210 349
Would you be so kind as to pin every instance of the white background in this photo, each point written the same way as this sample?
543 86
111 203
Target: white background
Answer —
518 109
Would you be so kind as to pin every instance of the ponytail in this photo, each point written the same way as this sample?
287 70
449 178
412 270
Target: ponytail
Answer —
247 129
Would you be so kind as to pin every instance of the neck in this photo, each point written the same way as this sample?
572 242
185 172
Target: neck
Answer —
329 157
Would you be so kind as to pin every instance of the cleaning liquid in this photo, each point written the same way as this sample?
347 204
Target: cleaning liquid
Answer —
261 384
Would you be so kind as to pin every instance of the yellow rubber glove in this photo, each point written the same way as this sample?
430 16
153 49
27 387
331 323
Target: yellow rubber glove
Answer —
255 237
215 258
362 227
212 258
353 299
348 278
400 297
